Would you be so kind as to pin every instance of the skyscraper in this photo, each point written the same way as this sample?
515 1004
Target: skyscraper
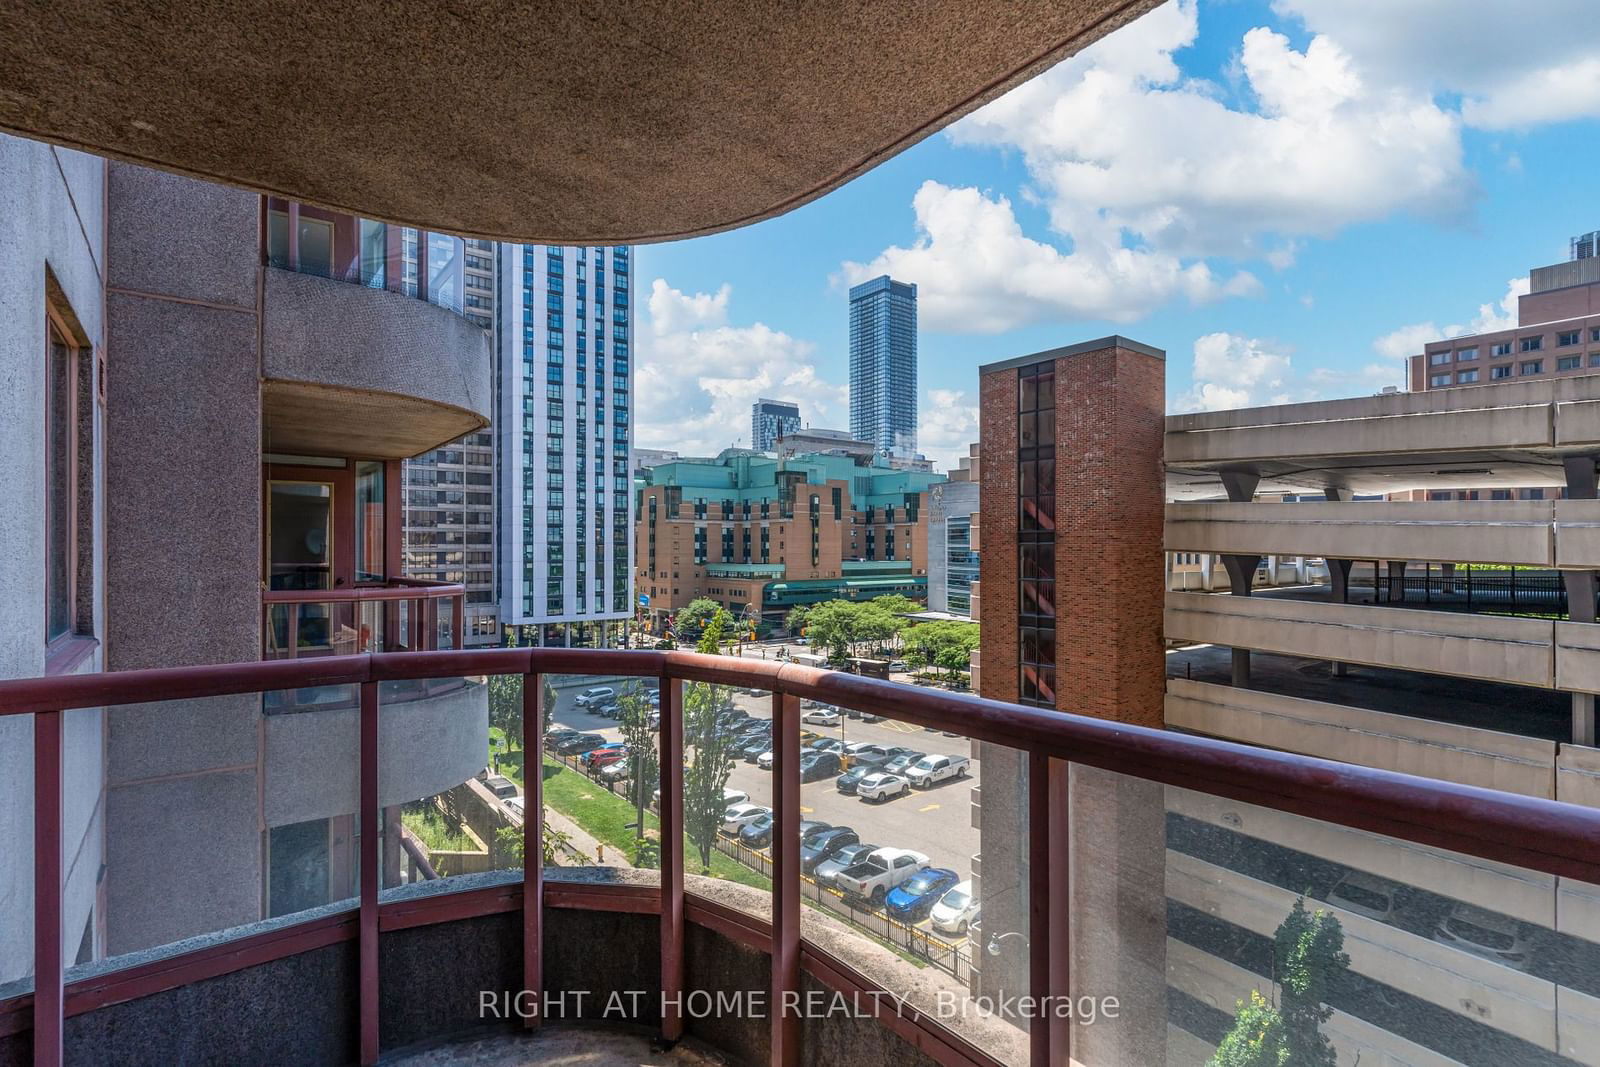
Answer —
883 364
563 431
770 420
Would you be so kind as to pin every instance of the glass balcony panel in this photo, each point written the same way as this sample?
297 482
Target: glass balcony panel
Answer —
1413 954
728 789
16 863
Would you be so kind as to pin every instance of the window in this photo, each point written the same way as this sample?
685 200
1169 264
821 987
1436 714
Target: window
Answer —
68 439
1438 359
1502 371
1466 376
1594 334
1569 363
1594 359
1565 340
1532 344
1466 354
369 562
1438 380
1501 348
1532 366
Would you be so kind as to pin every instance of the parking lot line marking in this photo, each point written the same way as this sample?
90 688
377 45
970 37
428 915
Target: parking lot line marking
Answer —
929 807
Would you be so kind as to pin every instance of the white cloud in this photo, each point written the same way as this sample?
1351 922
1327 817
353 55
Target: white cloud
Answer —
698 374
1514 65
977 272
1232 371
1120 143
1406 341
948 423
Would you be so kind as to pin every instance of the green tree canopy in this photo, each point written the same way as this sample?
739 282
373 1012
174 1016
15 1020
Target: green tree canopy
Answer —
691 619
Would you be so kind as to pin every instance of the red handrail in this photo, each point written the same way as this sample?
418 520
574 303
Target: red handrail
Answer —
1541 835
395 589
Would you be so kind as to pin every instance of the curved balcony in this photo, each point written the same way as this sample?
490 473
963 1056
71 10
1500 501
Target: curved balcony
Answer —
403 964
350 369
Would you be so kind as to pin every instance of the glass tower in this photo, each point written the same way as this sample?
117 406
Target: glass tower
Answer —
883 364
770 420
563 440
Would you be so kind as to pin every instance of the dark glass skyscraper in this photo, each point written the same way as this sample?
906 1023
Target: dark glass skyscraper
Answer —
883 363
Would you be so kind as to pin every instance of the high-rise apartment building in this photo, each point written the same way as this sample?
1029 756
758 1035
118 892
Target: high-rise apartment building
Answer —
563 435
953 539
883 364
449 503
770 420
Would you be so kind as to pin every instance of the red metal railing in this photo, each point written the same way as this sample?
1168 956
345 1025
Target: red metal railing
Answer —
403 614
1541 835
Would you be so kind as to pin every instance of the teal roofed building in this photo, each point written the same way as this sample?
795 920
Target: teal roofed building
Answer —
761 535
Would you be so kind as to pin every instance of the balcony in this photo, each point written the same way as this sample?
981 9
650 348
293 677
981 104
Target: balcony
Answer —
407 956
400 615
358 357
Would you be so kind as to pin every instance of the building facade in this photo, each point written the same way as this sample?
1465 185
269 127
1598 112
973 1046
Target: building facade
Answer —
883 364
449 495
213 394
1557 332
564 465
770 420
761 535
953 539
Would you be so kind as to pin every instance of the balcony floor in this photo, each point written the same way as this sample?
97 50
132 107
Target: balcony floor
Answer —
559 1045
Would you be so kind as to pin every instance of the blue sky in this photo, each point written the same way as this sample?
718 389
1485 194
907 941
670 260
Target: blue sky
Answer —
1284 196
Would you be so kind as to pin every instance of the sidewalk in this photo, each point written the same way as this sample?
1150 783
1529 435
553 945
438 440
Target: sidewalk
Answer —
584 842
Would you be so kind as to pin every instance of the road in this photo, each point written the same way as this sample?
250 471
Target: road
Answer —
936 821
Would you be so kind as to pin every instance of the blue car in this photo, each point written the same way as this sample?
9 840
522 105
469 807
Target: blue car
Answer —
912 899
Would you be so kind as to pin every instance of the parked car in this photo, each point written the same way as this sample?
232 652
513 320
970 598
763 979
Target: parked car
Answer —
898 764
578 744
501 786
828 869
881 785
897 665
847 782
588 758
753 750
810 827
600 694
601 758
517 805
821 717
738 816
609 711
824 845
757 833
867 716
828 744
616 771
818 765
1365 894
912 899
807 704
552 738
865 750
1485 933
931 770
871 878
956 910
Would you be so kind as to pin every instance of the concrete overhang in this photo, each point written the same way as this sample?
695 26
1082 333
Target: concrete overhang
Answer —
353 371
599 123
1485 437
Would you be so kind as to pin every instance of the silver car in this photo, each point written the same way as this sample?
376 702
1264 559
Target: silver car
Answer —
829 868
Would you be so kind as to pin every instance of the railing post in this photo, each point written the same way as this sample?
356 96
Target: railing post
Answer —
533 845
48 994
785 879
671 823
458 620
431 640
292 628
369 874
1049 915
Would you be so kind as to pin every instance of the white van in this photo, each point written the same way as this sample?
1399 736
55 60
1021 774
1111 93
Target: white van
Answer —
600 694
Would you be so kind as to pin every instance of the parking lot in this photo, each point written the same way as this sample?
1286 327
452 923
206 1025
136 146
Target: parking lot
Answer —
936 822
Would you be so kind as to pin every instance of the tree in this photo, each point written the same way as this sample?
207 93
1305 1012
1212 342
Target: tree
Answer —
1308 961
714 633
509 841
916 660
953 659
705 780
795 621
692 619
639 736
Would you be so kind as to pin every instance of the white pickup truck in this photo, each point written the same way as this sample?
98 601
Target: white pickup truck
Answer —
879 872
930 770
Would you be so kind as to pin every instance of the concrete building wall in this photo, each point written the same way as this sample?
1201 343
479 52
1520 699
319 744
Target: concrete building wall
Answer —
52 231
184 561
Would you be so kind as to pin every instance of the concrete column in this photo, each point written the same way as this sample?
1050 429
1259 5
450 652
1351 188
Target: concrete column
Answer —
1338 569
1581 485
1241 488
1397 579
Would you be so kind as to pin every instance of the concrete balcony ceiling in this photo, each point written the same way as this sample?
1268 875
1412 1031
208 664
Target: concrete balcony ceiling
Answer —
605 122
